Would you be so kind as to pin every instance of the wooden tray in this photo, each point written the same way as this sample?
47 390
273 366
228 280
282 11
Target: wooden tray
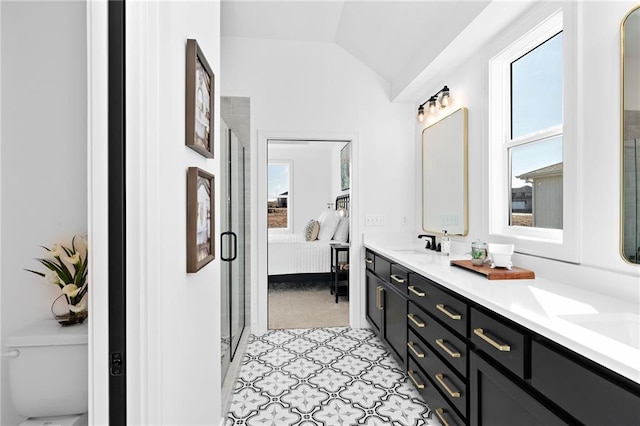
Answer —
515 273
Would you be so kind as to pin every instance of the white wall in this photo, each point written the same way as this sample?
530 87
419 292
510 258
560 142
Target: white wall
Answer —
44 151
311 180
173 317
318 88
601 269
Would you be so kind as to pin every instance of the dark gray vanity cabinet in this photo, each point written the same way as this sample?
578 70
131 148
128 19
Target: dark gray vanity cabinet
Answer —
475 367
386 304
374 305
582 388
497 400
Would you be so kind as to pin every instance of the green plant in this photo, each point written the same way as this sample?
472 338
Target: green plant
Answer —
68 271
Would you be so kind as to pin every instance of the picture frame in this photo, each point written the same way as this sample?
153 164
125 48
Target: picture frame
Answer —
345 167
199 101
200 218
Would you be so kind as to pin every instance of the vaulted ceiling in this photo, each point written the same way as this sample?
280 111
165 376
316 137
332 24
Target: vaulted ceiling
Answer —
396 39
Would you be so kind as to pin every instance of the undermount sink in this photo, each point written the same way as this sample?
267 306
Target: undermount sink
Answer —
410 250
623 327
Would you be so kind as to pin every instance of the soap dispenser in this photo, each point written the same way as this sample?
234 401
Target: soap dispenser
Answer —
446 243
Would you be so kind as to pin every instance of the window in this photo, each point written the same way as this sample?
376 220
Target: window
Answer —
278 195
532 149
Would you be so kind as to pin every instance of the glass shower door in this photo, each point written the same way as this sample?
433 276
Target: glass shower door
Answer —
232 244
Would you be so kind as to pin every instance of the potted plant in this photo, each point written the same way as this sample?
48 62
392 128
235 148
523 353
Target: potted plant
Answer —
67 269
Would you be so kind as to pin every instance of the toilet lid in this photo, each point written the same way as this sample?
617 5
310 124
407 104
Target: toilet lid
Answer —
48 333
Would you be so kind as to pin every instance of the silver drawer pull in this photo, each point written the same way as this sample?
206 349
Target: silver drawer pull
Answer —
397 278
440 414
440 379
418 293
413 379
452 354
415 352
502 347
369 261
416 321
448 313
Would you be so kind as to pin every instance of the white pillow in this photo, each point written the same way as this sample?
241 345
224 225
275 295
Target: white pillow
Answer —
342 232
324 215
328 225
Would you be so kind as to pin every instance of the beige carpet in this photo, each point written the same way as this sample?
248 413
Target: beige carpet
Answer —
306 308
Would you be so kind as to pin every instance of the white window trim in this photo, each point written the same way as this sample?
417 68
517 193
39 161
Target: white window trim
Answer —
549 243
289 228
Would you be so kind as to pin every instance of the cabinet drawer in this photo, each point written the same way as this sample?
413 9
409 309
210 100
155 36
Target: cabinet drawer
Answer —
442 340
501 342
369 260
382 267
399 277
438 403
452 387
586 395
440 304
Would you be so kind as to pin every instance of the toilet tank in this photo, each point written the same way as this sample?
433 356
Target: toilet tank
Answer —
50 376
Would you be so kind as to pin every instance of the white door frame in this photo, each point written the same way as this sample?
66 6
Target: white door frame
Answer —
259 292
98 203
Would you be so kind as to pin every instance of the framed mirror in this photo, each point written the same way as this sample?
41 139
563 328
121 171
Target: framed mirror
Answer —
630 132
444 175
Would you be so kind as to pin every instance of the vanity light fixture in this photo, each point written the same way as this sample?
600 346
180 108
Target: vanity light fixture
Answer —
432 103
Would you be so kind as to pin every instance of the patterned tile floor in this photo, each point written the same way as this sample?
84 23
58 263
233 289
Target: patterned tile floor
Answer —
323 376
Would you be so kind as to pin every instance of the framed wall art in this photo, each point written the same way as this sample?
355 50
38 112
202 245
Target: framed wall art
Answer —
199 101
200 218
345 164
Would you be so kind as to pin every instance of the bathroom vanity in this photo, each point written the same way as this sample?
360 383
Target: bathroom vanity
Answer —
526 352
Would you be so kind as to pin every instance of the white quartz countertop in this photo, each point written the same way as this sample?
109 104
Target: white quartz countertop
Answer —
602 328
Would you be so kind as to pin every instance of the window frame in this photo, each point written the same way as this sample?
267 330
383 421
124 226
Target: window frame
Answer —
289 228
559 244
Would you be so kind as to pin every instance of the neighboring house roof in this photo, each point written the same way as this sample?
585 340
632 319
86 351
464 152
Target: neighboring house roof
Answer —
284 193
552 170
525 188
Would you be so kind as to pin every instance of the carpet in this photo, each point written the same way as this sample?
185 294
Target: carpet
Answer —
305 305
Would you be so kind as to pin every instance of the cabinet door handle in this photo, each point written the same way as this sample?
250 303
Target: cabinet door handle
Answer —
413 379
379 299
369 261
397 278
452 354
501 347
415 352
440 414
418 293
416 321
448 313
440 379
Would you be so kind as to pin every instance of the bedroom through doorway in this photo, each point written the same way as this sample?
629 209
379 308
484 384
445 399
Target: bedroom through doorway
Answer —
308 200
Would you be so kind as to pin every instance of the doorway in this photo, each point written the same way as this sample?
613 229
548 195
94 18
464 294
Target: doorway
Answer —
304 178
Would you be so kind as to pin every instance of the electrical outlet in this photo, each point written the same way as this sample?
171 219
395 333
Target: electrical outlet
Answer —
374 220
404 221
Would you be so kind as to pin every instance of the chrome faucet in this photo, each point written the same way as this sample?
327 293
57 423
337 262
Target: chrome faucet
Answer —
430 244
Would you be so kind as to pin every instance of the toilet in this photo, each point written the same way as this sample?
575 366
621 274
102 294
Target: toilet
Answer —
48 379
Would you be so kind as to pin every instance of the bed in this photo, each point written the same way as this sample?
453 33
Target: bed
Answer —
292 258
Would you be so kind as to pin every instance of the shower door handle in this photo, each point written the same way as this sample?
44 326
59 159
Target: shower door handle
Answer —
235 246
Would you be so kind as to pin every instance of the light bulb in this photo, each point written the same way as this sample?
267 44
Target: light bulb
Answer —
420 116
432 105
445 100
